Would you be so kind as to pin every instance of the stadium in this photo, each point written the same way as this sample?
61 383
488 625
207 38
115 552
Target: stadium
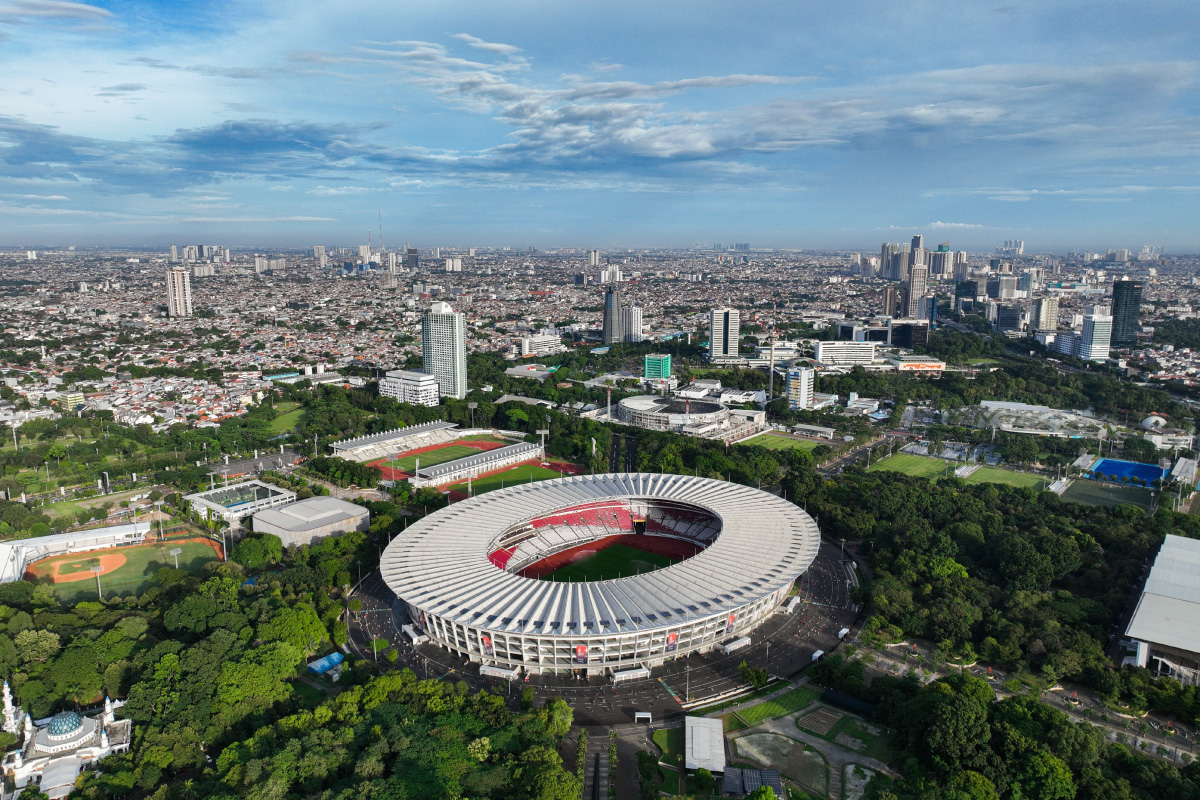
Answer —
478 579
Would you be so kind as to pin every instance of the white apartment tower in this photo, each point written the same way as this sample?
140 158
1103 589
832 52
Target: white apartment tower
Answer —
410 386
800 382
724 327
1097 334
179 292
1044 314
631 323
444 347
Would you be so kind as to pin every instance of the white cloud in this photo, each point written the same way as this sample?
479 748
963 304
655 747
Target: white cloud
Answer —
491 47
51 9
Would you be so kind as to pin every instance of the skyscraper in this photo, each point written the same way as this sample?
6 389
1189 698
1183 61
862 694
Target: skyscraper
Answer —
444 349
179 292
656 366
915 291
724 329
1044 314
613 329
412 258
174 253
1097 335
890 301
594 258
631 323
1126 310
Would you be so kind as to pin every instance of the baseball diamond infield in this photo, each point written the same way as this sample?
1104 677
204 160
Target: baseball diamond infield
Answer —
126 570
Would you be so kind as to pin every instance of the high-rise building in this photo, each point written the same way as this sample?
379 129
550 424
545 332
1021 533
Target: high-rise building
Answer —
364 252
318 250
886 254
411 258
800 382
899 267
656 366
916 252
444 348
174 253
179 292
612 328
631 323
891 299
915 291
1096 339
724 334
611 275
594 258
845 352
1126 310
1008 317
1043 315
908 333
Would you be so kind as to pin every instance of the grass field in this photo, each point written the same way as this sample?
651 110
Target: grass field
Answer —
997 475
1090 493
131 578
619 559
522 473
289 416
773 441
778 706
918 466
670 742
432 457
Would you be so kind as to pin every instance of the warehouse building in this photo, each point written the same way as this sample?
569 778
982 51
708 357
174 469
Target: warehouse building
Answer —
309 521
1164 626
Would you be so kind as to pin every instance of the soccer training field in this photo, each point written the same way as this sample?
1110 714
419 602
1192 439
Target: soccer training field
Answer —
127 570
997 475
918 466
619 560
1092 493
773 441
509 477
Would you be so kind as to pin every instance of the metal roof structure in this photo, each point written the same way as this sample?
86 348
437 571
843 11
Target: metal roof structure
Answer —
704 745
487 458
307 515
1168 612
388 437
441 564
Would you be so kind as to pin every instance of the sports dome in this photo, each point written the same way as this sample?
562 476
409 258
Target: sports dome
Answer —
457 573
1154 422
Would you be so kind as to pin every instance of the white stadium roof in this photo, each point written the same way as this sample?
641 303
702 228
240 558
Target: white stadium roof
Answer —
1168 612
305 515
440 564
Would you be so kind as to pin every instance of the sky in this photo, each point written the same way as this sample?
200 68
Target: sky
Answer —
791 124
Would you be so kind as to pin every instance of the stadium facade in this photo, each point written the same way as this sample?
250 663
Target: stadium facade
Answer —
456 572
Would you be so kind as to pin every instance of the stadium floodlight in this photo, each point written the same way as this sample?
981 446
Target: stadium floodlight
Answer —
175 552
543 432
472 405
98 569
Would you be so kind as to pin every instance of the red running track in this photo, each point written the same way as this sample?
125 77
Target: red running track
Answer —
390 474
661 545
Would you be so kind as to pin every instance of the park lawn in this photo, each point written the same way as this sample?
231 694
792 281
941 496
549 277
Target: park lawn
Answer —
288 418
778 706
522 473
997 475
917 466
670 742
773 441
136 574
618 560
1092 493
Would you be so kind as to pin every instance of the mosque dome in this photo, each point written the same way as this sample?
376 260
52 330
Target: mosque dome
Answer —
64 724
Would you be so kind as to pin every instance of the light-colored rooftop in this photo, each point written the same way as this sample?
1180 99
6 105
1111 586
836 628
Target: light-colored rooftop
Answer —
305 515
1168 612
704 744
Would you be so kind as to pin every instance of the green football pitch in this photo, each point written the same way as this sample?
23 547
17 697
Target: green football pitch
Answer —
132 577
997 475
773 441
918 466
432 457
1093 493
522 473
619 560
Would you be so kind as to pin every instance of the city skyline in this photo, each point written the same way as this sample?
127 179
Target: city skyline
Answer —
614 126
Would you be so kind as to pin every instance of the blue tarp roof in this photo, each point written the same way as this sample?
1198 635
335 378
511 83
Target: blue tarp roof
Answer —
326 663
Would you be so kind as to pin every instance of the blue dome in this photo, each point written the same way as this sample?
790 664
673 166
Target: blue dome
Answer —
64 723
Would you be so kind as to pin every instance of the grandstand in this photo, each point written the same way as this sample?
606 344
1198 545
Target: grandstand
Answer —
473 466
17 554
375 446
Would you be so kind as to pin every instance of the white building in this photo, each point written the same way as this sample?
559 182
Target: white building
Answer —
1166 622
52 755
800 385
1097 334
473 466
724 328
845 352
631 323
1044 314
541 344
179 292
444 346
309 521
410 386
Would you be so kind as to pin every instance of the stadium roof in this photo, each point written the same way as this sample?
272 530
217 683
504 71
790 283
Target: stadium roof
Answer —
479 459
1168 612
391 436
440 564
307 515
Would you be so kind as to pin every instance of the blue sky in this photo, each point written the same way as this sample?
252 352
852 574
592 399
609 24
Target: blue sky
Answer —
786 124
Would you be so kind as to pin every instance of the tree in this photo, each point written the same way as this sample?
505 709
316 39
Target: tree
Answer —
526 698
704 781
36 646
762 793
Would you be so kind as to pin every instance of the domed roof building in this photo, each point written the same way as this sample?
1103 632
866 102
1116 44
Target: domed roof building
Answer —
52 753
1154 422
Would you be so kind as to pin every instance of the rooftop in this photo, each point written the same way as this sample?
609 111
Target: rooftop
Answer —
1168 612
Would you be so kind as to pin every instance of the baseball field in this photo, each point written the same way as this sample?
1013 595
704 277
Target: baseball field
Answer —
124 571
